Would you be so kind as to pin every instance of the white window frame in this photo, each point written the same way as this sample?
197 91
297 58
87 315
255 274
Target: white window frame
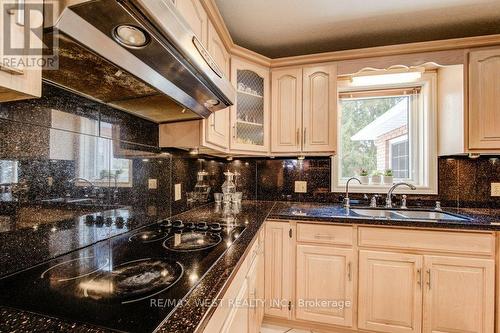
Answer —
398 139
15 175
423 128
108 182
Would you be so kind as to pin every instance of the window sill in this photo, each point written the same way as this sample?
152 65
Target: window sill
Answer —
383 188
103 184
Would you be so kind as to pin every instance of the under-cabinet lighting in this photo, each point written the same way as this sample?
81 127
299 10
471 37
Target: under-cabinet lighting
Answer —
474 155
375 78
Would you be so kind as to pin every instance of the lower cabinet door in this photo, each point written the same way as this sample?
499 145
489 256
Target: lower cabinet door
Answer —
459 295
390 292
325 283
253 320
278 271
260 284
237 320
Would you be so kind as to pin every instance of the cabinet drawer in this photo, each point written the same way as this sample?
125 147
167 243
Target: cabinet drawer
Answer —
428 240
324 234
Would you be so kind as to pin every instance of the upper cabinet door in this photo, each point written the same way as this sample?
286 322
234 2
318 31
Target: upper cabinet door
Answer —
390 292
320 108
194 13
250 114
286 110
16 80
459 295
484 100
325 273
218 124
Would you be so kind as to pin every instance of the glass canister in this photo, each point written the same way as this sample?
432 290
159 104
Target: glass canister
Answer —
228 187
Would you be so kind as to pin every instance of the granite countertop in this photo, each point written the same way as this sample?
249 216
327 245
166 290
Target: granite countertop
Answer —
193 314
476 218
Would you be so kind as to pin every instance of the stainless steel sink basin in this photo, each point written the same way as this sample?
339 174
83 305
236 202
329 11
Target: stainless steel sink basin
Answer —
408 214
69 200
375 213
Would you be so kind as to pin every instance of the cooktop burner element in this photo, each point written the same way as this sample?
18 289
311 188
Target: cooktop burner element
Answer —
147 236
215 227
178 224
133 281
166 223
192 241
74 269
190 226
201 226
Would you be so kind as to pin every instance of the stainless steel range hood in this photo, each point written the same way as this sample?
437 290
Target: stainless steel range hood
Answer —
136 55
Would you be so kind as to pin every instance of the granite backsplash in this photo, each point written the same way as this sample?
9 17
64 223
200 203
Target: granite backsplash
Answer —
51 146
462 181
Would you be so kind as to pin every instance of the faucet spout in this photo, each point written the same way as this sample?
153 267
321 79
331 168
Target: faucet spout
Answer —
346 199
388 200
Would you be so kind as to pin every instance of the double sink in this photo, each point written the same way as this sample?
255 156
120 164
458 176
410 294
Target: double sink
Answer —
408 214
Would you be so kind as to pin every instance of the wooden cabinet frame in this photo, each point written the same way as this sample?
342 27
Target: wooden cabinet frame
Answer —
428 249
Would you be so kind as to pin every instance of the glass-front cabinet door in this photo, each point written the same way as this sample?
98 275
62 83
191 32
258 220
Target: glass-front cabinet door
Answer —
250 114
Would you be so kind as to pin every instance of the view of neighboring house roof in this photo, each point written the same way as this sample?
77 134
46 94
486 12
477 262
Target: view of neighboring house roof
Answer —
394 118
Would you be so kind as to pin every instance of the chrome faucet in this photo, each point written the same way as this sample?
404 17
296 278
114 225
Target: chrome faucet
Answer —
91 185
388 200
346 199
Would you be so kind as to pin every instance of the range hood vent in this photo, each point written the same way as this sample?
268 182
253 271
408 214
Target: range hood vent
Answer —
165 75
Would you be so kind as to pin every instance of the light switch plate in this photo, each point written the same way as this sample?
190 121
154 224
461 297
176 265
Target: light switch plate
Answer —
152 184
300 186
177 192
50 181
495 189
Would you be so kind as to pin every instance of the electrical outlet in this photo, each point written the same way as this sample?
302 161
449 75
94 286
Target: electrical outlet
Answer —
300 187
152 184
50 181
177 192
495 189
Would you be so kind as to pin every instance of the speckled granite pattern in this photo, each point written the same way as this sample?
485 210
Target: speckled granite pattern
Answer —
16 321
480 218
34 244
192 316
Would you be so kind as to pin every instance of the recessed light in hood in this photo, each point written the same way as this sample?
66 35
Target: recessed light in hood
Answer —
130 36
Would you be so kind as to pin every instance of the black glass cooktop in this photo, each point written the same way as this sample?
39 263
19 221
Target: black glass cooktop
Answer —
128 283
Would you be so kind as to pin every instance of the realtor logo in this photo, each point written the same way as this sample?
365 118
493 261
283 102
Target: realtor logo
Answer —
22 42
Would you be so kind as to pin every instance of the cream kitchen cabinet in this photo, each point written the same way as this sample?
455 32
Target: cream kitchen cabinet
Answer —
17 80
459 295
217 125
304 109
210 135
286 110
250 114
278 269
399 280
484 100
390 292
241 307
400 292
196 16
326 274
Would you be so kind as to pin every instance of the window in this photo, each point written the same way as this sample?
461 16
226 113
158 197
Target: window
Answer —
97 164
387 127
8 172
399 157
